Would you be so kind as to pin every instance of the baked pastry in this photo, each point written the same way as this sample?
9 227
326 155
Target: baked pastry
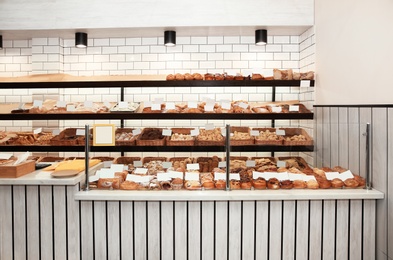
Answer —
235 184
360 180
188 76
208 185
219 76
312 184
166 185
259 184
273 184
220 184
170 77
299 184
179 76
197 76
192 185
108 183
286 184
209 76
177 183
239 77
256 77
129 185
351 183
339 169
337 183
323 182
282 74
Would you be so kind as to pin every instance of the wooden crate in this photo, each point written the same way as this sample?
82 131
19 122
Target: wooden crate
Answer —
11 171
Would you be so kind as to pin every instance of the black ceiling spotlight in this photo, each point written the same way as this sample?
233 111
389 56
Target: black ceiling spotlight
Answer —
261 37
170 38
1 42
80 40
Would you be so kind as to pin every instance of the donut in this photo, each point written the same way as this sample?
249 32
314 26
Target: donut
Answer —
246 185
299 184
208 185
351 183
220 184
337 183
235 184
286 184
273 184
259 183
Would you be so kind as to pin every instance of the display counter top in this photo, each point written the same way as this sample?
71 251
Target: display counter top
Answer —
219 195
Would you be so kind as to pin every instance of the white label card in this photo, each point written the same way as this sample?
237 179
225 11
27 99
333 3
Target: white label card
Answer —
234 176
141 171
166 165
209 107
209 126
256 175
243 105
220 176
175 174
346 175
294 108
123 104
56 132
194 132
147 104
117 167
37 131
222 164
192 104
225 104
332 175
254 133
166 132
282 176
70 108
107 164
281 164
106 173
294 176
170 105
80 131
136 131
268 175
280 132
308 178
37 103
138 164
193 166
94 178
250 163
156 106
88 103
191 176
5 156
61 104
133 177
163 176
305 83
276 109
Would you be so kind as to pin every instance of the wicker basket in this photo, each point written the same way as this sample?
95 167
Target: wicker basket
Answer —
50 159
289 132
210 142
149 159
268 142
285 108
184 131
239 142
125 142
301 162
103 158
207 164
126 160
66 137
155 142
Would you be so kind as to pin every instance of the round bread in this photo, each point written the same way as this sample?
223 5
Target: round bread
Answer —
188 76
360 180
273 184
286 184
219 76
179 76
209 76
312 184
299 184
235 185
324 184
229 77
208 185
220 184
351 183
197 76
259 184
129 185
246 185
256 77
166 185
337 183
170 77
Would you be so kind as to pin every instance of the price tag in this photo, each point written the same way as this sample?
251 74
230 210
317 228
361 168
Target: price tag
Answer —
133 177
282 176
254 133
170 105
145 179
308 178
305 83
256 175
94 178
224 132
294 176
5 156
332 175
159 100
222 164
21 105
191 176
225 104
61 104
175 174
117 167
346 175
156 106
166 132
107 104
123 104
193 166
276 109
136 131
37 103
106 173
163 176
209 126
209 107
294 108
147 104
280 131
243 105
56 132
166 165
194 132
137 164
37 131
70 108
268 175
107 164
250 163
80 131
234 176
192 104
88 104
141 171
281 164
220 176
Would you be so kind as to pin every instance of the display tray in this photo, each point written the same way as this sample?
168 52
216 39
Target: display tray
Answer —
11 171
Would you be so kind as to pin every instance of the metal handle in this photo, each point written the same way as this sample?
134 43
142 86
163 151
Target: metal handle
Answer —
87 150
227 155
368 156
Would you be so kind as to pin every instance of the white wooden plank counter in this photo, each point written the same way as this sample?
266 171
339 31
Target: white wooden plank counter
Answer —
46 218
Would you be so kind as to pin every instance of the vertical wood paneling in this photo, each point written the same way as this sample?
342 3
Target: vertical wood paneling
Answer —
234 232
207 230
353 139
32 222
369 229
342 225
140 222
379 170
329 213
343 135
389 193
261 230
326 145
302 226
180 230
221 231
19 214
87 230
73 223
318 136
275 229
248 230
100 228
167 230
6 250
315 231
153 233
127 230
194 230
288 233
113 230
355 233
334 132
46 222
60 222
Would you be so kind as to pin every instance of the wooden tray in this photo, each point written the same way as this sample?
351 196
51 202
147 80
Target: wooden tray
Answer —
10 171
156 142
239 142
122 142
289 132
268 142
185 131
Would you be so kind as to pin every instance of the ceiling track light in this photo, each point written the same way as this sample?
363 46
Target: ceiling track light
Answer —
170 38
80 40
261 37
